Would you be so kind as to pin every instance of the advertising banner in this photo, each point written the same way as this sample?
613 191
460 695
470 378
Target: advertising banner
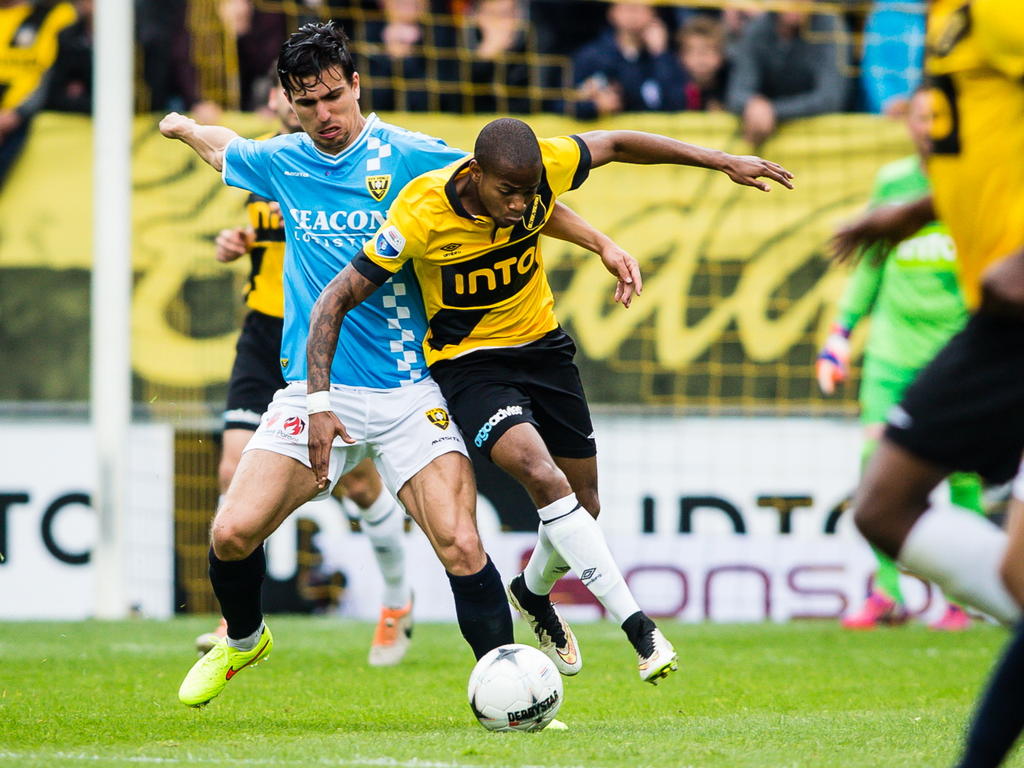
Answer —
709 520
48 528
738 289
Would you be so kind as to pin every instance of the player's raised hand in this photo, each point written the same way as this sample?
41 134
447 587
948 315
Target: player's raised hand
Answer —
175 125
324 426
749 169
233 243
625 269
833 363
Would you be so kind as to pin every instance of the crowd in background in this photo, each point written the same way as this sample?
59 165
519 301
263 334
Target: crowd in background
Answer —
583 58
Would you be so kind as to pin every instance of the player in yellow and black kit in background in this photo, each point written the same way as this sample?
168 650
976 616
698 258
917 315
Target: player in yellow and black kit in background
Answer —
494 346
966 409
28 48
256 376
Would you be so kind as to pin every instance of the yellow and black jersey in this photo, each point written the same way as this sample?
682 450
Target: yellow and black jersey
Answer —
975 68
265 290
483 287
28 48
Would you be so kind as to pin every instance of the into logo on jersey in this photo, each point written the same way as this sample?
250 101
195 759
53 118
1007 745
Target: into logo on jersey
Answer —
438 417
378 185
293 425
389 243
284 362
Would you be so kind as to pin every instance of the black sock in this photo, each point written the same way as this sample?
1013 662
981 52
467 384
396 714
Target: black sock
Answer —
999 717
237 586
482 609
535 604
637 626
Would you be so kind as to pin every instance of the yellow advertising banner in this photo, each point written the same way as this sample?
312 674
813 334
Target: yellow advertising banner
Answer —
737 290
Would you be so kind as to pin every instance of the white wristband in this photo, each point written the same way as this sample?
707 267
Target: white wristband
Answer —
318 402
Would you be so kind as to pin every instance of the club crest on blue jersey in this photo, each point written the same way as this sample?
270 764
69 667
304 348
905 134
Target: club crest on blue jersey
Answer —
378 186
389 243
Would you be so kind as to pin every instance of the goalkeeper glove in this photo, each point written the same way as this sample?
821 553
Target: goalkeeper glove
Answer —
833 362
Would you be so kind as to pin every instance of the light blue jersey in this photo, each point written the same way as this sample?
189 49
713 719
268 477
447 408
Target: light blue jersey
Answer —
332 204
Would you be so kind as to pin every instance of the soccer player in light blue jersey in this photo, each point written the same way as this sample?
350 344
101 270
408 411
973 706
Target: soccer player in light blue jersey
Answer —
334 181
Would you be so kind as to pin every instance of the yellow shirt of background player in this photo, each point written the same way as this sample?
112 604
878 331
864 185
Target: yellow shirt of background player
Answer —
483 286
975 66
28 48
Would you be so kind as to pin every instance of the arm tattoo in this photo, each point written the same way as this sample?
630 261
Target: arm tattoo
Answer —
343 293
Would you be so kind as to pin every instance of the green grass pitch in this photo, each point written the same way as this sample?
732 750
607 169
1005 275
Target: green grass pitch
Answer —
779 696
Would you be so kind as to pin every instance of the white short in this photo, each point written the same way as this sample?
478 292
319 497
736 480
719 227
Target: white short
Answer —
401 429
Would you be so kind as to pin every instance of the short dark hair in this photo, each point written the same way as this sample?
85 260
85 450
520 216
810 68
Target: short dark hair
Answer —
507 144
312 50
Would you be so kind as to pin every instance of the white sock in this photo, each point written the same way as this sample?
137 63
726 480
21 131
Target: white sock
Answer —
961 552
247 643
578 538
545 566
384 523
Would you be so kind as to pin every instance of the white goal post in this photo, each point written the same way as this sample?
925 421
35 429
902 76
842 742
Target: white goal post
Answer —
110 356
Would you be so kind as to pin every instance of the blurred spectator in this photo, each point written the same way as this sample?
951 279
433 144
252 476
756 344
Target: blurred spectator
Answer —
702 57
496 30
28 49
162 33
258 36
788 65
399 74
563 26
734 17
70 86
893 55
629 68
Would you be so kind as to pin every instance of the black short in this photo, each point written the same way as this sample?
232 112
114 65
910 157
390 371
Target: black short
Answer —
256 374
490 390
965 410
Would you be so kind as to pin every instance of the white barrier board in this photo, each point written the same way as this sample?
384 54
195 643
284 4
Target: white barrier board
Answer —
47 475
779 480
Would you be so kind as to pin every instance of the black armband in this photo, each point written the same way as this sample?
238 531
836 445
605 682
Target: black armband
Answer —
375 273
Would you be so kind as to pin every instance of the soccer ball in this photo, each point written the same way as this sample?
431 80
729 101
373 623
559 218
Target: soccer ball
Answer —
515 688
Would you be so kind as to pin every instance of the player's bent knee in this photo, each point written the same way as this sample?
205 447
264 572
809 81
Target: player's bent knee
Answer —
462 553
869 513
543 480
362 494
590 501
232 542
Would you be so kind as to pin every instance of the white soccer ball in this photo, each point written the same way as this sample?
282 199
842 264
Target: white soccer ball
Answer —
515 688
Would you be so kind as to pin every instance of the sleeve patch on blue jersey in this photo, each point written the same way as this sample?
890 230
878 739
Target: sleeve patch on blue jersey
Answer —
389 243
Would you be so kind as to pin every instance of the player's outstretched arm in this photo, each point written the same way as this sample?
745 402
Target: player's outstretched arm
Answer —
343 293
566 224
208 141
649 148
881 227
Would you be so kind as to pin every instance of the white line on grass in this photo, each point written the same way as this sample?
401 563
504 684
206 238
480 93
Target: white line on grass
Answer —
383 762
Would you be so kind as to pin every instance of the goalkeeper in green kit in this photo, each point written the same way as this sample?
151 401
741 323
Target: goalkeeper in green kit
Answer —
914 301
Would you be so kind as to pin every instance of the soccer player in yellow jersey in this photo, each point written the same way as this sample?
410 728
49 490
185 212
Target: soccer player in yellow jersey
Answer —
256 376
493 344
966 409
